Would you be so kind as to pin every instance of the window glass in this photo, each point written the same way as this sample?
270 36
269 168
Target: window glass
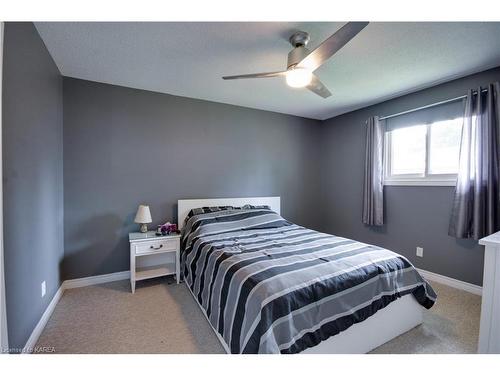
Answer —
408 150
444 146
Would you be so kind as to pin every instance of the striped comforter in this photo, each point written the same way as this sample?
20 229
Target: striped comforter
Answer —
270 286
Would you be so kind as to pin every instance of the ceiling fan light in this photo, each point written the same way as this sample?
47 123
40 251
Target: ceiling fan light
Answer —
298 77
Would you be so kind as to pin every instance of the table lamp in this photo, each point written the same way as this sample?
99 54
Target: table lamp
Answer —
143 217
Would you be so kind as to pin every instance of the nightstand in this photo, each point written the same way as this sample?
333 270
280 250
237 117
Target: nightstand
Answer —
153 256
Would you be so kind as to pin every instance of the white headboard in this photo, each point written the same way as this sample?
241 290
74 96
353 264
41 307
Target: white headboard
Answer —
186 205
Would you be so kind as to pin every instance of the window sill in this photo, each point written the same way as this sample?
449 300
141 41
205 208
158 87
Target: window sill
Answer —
421 182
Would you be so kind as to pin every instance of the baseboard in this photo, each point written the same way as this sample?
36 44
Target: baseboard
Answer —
94 280
35 335
454 283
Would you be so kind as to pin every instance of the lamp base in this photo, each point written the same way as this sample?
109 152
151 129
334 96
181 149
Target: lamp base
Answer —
144 228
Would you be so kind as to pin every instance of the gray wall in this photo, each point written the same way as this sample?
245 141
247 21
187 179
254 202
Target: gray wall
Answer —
415 215
32 178
123 147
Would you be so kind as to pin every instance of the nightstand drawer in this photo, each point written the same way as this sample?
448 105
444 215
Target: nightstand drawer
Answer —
157 246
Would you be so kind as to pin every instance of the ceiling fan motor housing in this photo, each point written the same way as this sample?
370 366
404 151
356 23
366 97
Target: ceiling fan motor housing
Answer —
299 41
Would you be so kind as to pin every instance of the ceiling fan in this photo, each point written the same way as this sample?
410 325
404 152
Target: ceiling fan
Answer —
302 63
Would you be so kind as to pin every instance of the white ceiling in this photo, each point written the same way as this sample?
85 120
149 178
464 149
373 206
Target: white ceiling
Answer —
188 59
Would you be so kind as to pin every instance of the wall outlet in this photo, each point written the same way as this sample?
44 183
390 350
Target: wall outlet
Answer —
44 288
420 252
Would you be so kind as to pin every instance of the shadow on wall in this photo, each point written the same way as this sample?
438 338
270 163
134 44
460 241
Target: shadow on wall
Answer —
174 214
467 243
108 253
100 245
161 214
377 229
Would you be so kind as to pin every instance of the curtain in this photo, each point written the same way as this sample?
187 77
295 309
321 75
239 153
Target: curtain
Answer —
373 190
476 204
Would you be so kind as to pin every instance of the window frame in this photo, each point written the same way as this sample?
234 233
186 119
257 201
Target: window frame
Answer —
415 179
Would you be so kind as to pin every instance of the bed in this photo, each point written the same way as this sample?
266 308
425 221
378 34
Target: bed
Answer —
267 285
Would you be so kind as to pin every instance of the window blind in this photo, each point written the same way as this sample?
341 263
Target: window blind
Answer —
446 111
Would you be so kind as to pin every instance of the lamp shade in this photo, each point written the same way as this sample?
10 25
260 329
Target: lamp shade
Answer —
143 215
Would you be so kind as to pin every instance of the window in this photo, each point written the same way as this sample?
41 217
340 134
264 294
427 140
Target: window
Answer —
423 154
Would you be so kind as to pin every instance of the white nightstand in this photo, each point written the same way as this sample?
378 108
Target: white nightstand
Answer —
153 256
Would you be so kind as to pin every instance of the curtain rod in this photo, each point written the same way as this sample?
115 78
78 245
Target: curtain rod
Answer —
429 106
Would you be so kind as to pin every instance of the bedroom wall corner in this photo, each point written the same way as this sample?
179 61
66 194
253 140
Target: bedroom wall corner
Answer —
32 161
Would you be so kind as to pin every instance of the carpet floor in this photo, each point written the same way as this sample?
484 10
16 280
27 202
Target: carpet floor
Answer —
162 317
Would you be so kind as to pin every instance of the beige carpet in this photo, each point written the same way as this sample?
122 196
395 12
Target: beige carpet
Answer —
450 326
163 318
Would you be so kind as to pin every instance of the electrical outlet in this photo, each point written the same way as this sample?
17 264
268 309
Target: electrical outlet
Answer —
44 288
420 252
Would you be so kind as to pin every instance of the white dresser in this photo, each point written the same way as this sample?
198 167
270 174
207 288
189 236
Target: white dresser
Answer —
153 256
489 332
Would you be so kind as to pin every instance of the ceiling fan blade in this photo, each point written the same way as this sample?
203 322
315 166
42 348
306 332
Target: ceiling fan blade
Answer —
317 87
331 45
256 75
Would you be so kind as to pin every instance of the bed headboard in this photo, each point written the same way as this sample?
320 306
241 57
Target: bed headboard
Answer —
186 205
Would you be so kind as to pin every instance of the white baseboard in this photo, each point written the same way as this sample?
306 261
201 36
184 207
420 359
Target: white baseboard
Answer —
454 283
35 335
94 280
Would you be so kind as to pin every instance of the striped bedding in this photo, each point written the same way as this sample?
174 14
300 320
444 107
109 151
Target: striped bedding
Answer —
270 286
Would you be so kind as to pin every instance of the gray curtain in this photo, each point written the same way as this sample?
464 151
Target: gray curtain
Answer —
373 190
476 204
